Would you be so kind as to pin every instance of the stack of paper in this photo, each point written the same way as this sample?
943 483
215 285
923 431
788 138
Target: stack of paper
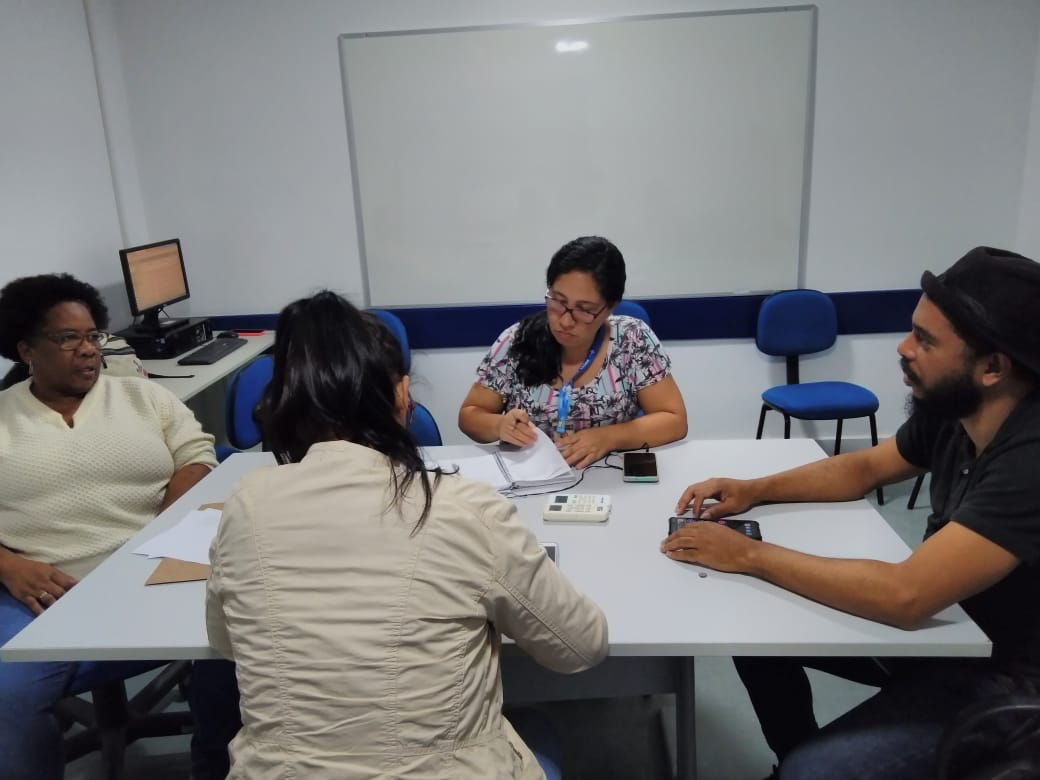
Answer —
188 540
533 469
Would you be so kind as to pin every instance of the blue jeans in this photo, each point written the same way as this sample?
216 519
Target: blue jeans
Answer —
30 736
893 734
538 734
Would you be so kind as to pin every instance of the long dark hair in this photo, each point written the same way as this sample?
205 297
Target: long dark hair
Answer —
335 374
537 353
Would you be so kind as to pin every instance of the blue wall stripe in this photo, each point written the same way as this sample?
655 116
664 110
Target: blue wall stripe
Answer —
673 319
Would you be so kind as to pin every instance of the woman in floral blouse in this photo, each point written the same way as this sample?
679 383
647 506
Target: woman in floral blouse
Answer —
595 381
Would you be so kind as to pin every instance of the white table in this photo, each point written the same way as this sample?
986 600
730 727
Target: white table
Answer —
657 609
204 376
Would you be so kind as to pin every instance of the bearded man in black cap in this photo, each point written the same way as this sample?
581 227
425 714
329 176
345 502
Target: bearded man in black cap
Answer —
972 362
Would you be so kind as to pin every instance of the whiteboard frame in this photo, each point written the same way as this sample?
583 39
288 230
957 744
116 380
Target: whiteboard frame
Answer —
810 103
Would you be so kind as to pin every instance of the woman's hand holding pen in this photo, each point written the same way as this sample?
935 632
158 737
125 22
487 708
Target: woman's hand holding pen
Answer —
516 428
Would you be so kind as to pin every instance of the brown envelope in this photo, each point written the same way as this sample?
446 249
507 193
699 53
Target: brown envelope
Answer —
173 570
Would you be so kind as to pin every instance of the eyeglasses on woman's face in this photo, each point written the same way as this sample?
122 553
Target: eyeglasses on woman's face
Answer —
578 313
69 340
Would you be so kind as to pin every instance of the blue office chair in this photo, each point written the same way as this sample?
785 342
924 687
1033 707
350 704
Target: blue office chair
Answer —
393 322
223 452
915 491
423 427
632 309
801 322
243 394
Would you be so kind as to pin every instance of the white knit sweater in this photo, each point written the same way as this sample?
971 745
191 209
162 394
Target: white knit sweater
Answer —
70 496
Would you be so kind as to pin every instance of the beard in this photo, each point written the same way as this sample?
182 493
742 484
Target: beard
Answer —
951 398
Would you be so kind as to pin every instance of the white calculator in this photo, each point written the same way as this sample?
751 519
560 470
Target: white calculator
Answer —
577 508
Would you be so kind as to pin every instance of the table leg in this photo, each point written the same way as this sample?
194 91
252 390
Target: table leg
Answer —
685 721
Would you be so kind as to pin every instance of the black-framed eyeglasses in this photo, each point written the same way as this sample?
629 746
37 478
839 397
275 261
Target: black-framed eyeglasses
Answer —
68 340
578 314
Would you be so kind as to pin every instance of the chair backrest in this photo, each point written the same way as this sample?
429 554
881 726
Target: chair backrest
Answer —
424 428
632 309
393 322
243 394
796 322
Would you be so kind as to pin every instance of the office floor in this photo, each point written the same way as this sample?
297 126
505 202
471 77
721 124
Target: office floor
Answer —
629 738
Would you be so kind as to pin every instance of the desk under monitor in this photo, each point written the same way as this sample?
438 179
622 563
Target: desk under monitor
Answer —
190 381
661 613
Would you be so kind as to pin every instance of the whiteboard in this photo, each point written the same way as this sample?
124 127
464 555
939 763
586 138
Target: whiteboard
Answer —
477 152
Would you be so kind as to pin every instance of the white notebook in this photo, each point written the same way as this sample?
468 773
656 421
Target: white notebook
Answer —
517 471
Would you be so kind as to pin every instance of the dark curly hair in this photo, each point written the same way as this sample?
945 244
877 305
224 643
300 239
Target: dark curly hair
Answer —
24 304
537 353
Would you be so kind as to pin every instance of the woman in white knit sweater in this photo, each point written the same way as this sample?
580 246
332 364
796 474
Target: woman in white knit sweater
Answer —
86 460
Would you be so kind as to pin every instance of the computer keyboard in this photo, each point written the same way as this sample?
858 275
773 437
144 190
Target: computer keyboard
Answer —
211 353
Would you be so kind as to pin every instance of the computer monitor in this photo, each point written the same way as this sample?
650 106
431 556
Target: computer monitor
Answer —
155 277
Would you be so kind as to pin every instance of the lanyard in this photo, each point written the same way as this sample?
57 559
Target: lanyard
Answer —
563 402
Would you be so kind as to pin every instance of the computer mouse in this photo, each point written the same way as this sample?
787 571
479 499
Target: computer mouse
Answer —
227 334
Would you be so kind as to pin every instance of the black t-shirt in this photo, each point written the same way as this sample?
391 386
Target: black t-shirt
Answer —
997 495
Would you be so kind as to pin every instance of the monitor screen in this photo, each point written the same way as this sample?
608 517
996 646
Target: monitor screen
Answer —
154 276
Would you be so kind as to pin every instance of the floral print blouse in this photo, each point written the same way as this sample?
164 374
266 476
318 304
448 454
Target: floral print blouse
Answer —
635 359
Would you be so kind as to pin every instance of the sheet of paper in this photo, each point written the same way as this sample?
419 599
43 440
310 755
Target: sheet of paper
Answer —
188 540
538 462
483 468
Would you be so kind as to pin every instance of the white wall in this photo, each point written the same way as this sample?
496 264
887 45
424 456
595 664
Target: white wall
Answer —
237 117
1029 213
57 207
721 382
226 126
921 126
238 124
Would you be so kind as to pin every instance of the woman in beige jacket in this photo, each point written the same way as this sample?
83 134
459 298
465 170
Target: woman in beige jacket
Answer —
363 597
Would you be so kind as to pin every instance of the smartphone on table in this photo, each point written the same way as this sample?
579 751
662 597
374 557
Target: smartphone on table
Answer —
749 528
639 467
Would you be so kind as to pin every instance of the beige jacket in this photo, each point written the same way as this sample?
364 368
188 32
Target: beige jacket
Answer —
365 650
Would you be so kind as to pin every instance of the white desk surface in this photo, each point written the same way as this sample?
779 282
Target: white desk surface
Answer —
204 376
654 606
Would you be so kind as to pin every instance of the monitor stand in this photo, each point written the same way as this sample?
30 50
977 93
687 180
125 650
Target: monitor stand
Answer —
150 323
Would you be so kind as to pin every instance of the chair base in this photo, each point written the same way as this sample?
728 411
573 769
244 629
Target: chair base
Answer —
112 721
916 490
837 437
